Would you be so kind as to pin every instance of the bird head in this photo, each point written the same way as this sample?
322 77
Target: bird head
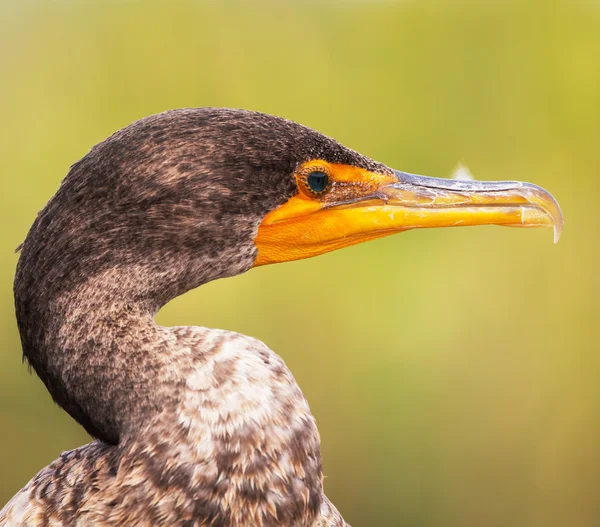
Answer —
188 196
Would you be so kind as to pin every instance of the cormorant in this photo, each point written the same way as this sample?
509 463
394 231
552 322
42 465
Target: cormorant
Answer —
195 426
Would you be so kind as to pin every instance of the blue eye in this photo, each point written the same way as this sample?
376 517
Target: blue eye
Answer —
317 181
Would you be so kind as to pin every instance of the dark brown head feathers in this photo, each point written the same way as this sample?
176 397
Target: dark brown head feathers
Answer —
179 185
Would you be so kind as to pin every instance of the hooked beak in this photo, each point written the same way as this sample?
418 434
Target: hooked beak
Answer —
434 202
363 205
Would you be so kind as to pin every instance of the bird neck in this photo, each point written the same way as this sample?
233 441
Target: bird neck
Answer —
87 325
208 409
102 356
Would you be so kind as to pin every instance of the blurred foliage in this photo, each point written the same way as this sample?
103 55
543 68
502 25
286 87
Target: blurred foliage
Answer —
453 373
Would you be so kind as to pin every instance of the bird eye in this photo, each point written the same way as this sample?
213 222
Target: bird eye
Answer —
317 181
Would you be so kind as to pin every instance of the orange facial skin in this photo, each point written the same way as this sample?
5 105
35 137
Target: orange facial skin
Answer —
358 205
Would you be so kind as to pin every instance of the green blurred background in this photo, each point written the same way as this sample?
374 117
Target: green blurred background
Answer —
453 373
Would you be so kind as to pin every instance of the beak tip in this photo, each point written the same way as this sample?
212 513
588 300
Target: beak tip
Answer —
558 227
550 206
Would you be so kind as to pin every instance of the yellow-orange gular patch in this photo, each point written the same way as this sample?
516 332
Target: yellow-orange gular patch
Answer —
314 222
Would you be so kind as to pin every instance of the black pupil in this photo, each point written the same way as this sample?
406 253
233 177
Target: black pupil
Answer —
317 181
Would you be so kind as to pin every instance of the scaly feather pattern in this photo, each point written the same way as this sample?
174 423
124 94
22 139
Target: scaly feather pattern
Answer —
238 448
